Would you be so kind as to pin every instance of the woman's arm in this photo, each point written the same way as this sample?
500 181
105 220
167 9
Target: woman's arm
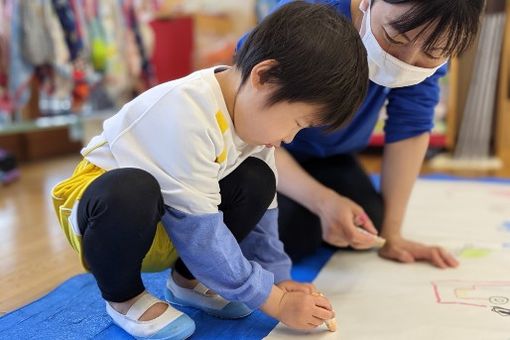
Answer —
338 214
401 165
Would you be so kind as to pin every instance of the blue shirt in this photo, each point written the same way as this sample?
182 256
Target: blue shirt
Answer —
410 112
242 272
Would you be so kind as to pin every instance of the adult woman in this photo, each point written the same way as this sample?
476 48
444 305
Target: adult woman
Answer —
324 193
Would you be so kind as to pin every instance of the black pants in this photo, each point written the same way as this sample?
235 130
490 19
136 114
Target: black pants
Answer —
119 212
300 229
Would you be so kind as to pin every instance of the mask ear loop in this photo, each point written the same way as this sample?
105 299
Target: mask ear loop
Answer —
364 10
364 28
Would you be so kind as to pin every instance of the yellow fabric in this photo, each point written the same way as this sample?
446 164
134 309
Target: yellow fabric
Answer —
162 253
223 124
222 157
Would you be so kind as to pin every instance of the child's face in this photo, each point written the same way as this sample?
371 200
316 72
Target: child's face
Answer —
271 125
259 124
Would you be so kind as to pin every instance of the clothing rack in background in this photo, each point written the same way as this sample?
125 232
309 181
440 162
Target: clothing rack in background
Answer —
66 63
60 57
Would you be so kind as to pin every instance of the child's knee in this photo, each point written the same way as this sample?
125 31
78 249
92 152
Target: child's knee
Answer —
258 180
120 198
128 187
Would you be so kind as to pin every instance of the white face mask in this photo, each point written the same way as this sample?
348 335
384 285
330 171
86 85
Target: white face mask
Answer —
385 69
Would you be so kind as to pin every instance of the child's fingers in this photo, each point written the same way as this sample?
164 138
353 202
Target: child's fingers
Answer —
312 287
323 314
321 301
316 321
307 288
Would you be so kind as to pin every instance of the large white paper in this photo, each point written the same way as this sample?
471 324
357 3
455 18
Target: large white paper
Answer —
378 299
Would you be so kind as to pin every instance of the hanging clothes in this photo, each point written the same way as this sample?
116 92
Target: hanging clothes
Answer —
20 71
119 83
139 28
66 16
69 51
5 107
37 46
62 64
133 57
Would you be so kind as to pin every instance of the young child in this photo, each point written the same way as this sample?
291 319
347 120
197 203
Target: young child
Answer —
184 176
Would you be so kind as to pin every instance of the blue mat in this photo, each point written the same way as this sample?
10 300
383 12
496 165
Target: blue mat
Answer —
75 310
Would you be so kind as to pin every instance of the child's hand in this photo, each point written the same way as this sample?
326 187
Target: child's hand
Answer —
293 286
304 311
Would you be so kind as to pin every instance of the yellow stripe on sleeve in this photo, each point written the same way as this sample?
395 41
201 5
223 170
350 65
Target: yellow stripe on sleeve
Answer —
223 125
222 156
222 122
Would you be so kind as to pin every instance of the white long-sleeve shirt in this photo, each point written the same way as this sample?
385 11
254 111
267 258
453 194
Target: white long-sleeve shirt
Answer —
181 133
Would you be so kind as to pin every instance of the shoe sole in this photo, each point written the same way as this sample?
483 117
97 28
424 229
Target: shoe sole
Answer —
170 298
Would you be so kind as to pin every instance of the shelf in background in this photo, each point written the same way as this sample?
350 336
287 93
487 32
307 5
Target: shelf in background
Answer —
50 136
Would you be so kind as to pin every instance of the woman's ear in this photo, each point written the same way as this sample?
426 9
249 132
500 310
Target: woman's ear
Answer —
260 73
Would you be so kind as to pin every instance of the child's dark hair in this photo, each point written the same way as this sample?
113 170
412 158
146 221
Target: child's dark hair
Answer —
458 19
320 60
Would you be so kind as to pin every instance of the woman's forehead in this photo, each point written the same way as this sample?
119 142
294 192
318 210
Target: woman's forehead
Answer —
418 35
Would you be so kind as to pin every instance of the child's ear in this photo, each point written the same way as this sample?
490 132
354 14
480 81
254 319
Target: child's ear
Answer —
260 73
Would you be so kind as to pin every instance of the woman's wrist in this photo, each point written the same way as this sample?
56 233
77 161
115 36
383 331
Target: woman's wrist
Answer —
390 231
318 201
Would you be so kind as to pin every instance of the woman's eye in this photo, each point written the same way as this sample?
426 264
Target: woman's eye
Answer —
432 56
391 40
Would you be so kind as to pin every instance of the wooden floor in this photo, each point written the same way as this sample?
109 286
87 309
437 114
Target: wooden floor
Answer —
35 254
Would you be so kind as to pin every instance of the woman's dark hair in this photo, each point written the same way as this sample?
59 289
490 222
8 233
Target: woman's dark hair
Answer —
320 60
458 19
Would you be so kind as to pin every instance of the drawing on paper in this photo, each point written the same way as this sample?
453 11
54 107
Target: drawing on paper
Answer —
488 294
472 252
501 311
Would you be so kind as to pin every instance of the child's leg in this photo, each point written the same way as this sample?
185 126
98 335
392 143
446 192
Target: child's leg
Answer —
117 217
246 194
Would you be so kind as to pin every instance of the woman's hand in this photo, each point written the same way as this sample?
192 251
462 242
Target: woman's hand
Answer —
340 218
401 250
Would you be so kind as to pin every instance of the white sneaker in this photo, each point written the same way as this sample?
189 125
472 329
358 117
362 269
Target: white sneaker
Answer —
171 325
199 298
